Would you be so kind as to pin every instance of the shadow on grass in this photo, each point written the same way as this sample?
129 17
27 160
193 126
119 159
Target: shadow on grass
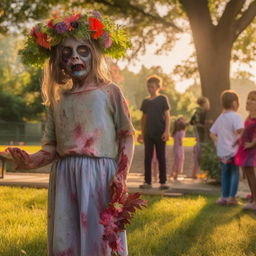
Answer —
194 230
35 247
200 229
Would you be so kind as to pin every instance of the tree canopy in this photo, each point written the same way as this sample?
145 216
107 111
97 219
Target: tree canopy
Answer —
221 29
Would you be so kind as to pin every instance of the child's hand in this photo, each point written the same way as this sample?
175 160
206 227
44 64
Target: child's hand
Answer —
140 139
118 188
248 145
236 143
165 136
20 157
6 155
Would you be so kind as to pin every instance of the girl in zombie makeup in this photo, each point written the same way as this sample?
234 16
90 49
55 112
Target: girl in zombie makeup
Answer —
88 130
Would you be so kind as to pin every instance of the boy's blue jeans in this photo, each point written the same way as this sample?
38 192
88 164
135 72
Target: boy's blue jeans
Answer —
229 179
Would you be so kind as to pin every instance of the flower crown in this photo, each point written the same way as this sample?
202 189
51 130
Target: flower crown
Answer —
109 37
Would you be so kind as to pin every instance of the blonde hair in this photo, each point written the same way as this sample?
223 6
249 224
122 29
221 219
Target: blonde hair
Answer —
55 79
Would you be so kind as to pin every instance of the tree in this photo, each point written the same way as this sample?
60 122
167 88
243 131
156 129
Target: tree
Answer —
214 42
216 25
19 88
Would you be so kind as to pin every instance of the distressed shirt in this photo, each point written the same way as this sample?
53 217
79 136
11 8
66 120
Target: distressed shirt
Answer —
89 122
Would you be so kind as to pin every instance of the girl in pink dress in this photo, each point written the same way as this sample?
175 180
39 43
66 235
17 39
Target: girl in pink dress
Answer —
246 154
88 134
178 149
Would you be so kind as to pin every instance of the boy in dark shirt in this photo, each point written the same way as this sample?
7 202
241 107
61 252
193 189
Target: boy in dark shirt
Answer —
155 130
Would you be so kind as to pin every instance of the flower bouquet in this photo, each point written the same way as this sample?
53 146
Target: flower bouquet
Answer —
114 218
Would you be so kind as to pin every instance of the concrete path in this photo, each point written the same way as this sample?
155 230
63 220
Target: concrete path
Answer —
177 188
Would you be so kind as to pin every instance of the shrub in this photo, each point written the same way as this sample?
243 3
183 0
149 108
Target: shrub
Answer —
209 161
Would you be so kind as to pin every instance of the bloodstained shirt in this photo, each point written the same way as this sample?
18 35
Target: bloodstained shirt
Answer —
88 122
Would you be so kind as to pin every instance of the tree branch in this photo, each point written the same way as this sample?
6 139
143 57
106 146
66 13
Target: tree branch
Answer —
246 18
198 14
127 5
228 17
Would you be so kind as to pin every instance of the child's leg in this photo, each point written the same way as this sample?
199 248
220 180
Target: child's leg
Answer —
250 175
155 166
155 171
196 151
234 179
173 172
149 148
181 158
160 153
225 180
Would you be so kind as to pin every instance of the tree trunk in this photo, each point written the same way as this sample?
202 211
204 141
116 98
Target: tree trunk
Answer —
214 71
213 50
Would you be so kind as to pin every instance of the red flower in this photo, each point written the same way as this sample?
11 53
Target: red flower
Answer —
96 26
71 19
40 37
50 24
33 32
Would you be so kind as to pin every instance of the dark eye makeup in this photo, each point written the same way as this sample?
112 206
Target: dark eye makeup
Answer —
67 52
82 50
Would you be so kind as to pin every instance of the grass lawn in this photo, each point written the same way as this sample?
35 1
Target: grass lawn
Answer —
187 142
187 226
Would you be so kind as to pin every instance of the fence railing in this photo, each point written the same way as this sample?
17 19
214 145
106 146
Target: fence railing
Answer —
20 133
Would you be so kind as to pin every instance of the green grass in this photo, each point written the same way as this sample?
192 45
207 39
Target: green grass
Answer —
187 142
187 226
29 148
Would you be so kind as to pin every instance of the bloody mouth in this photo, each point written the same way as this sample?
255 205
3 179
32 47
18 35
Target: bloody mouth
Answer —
77 67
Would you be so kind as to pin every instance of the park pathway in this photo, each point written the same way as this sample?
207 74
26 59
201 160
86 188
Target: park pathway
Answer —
184 185
177 188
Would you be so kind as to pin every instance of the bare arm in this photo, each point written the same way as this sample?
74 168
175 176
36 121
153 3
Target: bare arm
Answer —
166 134
251 144
213 137
142 123
126 150
26 161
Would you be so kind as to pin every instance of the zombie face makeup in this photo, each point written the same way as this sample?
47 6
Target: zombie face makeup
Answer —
76 58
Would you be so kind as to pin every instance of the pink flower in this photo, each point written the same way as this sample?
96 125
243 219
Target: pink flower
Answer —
107 40
116 216
70 19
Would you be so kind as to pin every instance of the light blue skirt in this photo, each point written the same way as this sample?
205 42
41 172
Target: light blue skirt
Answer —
79 189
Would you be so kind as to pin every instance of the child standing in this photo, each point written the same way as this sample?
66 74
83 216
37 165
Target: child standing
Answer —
200 125
178 149
88 130
155 130
246 155
225 132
